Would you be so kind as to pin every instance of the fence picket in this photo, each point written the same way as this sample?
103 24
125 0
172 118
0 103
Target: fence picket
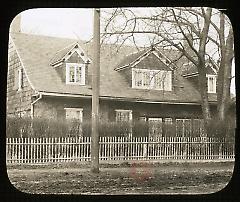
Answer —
43 150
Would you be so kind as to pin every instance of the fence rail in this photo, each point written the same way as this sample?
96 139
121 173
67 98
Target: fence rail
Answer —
65 149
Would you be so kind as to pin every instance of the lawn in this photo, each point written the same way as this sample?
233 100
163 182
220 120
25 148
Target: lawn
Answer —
124 178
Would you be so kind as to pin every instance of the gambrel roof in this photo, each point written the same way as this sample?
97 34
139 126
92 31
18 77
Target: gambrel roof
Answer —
38 52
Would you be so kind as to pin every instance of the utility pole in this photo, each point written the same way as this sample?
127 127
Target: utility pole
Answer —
95 93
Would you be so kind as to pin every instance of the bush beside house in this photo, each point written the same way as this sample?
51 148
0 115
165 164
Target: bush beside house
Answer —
39 127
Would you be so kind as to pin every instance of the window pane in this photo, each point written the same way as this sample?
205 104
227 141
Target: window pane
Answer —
123 116
168 121
137 78
183 127
146 78
78 74
211 84
20 78
158 80
71 74
155 127
153 79
167 80
179 127
74 114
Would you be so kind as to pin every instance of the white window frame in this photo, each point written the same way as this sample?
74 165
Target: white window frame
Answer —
183 125
168 120
80 118
75 65
154 130
214 89
123 111
20 79
152 76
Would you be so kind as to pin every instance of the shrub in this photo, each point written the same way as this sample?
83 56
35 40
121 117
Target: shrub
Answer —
18 127
222 129
140 129
39 127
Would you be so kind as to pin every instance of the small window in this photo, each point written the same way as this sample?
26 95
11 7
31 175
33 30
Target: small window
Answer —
211 83
74 114
19 79
75 73
123 115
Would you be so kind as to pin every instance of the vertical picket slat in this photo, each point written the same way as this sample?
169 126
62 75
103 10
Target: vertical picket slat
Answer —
84 148
44 150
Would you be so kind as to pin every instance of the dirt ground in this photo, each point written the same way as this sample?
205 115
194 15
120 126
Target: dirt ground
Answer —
124 178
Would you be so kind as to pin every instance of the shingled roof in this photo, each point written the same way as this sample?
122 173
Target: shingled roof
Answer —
192 70
37 52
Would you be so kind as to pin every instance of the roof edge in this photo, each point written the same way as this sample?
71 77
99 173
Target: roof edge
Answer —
131 64
15 48
44 93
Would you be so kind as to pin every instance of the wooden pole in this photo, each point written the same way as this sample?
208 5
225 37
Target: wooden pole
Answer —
95 91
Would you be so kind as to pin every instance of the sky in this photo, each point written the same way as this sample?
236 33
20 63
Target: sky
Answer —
67 23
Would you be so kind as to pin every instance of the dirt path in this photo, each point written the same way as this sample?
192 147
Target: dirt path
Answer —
135 179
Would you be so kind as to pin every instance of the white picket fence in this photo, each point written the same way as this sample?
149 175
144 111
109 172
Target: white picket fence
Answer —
65 149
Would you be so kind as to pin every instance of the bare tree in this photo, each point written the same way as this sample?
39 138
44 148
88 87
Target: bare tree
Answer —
204 37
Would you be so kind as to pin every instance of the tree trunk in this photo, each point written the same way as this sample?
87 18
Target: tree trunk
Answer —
202 81
224 78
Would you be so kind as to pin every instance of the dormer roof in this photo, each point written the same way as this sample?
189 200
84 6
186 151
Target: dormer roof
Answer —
190 70
63 54
133 59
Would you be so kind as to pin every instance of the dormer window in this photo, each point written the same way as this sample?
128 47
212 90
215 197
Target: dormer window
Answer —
75 73
152 79
211 83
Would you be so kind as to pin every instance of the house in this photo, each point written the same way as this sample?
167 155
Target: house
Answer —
51 77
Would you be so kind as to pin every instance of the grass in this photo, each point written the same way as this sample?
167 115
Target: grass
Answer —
128 178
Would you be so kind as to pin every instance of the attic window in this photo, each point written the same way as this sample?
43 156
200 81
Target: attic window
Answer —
75 73
152 79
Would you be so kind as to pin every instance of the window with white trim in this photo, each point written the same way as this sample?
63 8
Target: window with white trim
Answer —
123 115
155 126
75 73
183 127
152 79
168 121
74 113
211 83
198 127
18 83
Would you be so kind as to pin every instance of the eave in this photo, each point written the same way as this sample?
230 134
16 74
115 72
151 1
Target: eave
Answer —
135 100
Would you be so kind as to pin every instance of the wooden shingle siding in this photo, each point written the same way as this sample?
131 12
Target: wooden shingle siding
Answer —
18 101
153 63
61 71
